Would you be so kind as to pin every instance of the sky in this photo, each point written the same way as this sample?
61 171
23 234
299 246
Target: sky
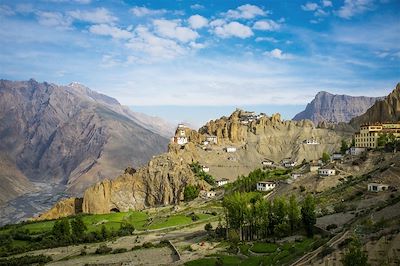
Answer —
197 60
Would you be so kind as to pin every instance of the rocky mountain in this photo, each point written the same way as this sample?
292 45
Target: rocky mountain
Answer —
334 108
163 179
386 110
68 135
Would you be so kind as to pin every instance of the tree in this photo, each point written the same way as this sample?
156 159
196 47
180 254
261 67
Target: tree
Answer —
308 215
104 232
293 213
208 227
326 158
78 228
354 255
344 147
191 192
62 230
383 139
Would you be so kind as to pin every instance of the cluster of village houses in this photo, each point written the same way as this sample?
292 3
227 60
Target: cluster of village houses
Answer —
366 138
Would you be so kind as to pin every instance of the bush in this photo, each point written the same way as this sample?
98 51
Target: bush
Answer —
208 227
103 249
147 245
83 252
302 188
191 192
26 260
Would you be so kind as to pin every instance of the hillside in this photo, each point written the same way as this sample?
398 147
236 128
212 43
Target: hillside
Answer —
386 110
69 135
335 108
162 181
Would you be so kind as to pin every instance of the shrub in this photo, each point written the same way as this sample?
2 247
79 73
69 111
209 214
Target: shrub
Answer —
147 245
103 249
302 188
208 227
191 192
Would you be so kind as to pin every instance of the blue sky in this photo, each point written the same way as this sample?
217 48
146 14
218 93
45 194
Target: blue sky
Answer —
194 60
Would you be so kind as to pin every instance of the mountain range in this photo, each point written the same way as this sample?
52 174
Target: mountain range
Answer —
333 108
69 136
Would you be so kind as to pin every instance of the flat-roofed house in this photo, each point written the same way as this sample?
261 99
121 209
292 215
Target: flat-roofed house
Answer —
230 149
267 162
212 139
221 182
326 172
265 185
376 187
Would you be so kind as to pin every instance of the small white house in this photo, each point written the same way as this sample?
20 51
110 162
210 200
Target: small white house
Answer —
205 169
212 139
295 175
181 140
337 156
356 151
265 185
290 164
230 149
376 187
267 162
222 182
286 160
210 194
326 172
182 126
205 143
311 142
244 122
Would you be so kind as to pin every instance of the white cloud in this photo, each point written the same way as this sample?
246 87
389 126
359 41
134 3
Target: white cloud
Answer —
107 30
246 12
141 11
309 6
354 7
155 47
321 13
197 7
24 8
217 22
268 25
233 29
277 53
197 22
98 15
6 11
172 29
327 3
266 39
53 19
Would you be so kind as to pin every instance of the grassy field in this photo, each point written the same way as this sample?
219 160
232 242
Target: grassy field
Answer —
285 254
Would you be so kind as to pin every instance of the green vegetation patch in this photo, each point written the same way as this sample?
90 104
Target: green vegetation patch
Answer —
261 247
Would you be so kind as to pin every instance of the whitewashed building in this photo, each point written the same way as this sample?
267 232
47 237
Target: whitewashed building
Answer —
290 164
205 169
222 182
230 149
337 156
314 167
212 139
311 142
376 187
326 172
294 176
265 185
181 140
267 162
356 151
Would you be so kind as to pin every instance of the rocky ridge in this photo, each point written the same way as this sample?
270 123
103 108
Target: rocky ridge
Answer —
334 108
68 135
163 180
387 110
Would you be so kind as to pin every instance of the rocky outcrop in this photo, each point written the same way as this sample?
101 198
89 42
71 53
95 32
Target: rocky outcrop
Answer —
333 108
387 110
63 208
70 134
256 137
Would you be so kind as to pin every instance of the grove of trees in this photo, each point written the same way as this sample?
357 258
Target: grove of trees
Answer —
252 217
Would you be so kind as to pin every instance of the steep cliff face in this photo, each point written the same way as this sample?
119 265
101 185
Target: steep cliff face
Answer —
69 134
63 208
387 110
335 108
